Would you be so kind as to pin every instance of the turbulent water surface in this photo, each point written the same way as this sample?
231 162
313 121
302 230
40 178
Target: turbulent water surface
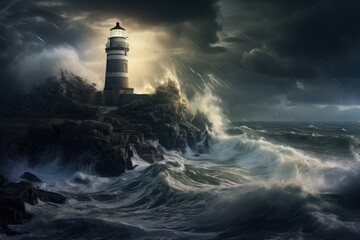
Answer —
259 181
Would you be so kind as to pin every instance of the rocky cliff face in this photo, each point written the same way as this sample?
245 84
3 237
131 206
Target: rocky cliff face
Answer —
164 116
59 121
56 119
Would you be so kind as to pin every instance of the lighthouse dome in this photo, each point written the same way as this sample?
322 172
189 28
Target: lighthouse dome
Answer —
117 31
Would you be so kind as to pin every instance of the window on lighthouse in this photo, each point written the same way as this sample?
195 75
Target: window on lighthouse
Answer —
117 33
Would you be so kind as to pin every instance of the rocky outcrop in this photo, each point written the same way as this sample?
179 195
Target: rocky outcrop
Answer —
66 96
55 119
30 177
164 117
13 196
106 140
109 152
46 196
107 148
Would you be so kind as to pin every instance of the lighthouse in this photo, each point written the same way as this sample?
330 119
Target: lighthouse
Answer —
116 76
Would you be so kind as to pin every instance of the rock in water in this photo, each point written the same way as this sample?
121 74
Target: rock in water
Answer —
12 211
12 199
12 208
30 177
46 196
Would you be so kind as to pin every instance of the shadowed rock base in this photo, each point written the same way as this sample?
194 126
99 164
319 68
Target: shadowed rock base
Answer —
13 197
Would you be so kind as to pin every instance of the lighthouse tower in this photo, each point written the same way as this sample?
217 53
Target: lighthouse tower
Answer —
116 78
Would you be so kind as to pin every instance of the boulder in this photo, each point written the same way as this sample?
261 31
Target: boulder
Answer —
12 211
23 191
30 177
13 197
46 196
26 192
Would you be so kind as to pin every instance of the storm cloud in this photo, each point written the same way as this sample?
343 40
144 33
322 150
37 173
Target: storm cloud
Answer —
308 51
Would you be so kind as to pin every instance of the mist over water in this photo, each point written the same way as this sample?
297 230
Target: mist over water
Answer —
258 181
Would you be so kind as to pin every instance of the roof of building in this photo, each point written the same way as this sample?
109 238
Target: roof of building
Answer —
118 26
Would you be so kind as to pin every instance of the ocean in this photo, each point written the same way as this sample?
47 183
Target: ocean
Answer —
260 180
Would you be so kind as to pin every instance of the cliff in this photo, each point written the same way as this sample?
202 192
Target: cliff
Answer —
56 119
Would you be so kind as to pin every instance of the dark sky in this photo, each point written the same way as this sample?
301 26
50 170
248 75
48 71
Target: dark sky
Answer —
266 59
